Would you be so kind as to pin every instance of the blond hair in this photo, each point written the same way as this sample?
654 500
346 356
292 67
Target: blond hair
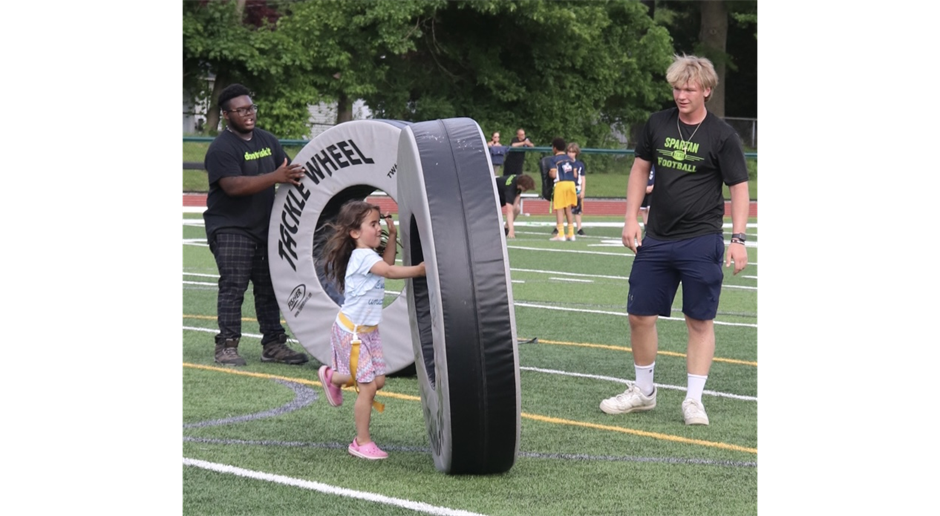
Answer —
692 69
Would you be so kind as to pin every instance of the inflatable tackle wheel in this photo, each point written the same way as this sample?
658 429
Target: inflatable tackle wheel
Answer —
462 321
348 161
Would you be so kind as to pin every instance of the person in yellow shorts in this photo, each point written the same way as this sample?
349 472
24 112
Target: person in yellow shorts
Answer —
564 196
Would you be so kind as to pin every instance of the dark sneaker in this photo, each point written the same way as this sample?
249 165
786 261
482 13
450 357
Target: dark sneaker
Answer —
277 351
226 353
580 232
555 231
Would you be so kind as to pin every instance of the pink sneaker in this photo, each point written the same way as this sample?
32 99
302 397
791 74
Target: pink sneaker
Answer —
334 395
367 451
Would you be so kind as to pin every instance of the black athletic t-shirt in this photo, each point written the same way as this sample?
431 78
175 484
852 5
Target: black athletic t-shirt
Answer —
512 164
687 186
228 156
507 188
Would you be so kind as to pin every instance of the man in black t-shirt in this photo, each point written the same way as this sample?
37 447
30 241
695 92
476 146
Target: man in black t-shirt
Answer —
695 152
244 163
512 164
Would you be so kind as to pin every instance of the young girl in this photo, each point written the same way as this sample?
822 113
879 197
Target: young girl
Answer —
351 261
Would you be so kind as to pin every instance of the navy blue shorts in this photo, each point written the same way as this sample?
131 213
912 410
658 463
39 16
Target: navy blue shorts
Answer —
659 267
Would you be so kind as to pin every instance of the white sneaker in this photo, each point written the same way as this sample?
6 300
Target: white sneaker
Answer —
557 238
571 238
694 413
631 400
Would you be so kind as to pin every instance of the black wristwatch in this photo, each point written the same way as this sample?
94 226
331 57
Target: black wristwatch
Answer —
738 238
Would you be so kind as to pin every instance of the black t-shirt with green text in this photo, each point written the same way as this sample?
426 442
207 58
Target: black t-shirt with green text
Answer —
228 156
687 195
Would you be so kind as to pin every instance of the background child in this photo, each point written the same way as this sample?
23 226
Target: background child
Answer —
510 190
645 207
354 265
574 151
564 196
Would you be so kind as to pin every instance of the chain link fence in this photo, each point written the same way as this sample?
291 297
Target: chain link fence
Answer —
747 130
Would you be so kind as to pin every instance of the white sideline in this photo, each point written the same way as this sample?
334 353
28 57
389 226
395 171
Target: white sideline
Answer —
326 488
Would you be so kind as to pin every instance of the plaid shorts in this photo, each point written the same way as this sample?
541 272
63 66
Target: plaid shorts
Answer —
240 260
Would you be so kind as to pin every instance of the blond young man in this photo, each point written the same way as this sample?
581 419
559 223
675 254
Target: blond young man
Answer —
695 152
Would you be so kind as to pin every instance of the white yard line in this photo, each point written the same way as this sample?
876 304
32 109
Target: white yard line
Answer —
327 488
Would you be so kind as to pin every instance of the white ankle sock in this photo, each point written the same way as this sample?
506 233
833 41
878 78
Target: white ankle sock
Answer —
696 386
644 378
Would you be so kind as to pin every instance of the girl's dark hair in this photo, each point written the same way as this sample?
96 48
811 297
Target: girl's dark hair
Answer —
339 247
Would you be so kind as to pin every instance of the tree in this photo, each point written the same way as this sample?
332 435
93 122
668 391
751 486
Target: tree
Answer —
558 68
714 37
721 31
218 40
561 68
342 46
254 42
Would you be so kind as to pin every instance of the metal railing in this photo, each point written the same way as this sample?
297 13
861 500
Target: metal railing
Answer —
192 165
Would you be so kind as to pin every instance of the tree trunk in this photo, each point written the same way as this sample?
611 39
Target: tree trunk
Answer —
213 114
714 37
343 109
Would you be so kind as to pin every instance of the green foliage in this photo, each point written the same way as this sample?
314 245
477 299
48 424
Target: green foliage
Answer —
683 20
215 41
219 41
570 69
743 12
557 68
